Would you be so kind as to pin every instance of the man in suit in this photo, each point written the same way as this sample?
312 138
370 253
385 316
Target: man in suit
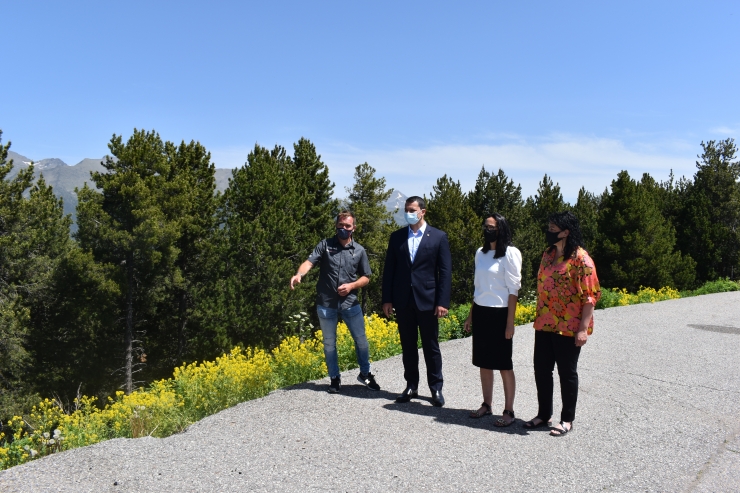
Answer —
417 283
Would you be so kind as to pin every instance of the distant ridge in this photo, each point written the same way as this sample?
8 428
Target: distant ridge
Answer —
64 179
396 202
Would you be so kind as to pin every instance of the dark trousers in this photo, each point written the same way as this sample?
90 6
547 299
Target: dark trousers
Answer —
411 322
551 348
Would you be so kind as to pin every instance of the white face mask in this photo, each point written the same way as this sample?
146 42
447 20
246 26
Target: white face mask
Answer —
412 218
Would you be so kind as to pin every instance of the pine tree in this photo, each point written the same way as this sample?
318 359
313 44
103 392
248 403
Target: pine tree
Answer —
673 197
448 209
709 225
14 315
75 339
546 201
34 237
126 225
275 211
636 245
497 193
190 204
315 187
366 199
587 212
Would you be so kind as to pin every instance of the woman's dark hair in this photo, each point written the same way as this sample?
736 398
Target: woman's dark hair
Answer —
566 220
504 235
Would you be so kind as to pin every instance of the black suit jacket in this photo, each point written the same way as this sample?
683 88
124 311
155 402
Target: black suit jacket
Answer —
429 277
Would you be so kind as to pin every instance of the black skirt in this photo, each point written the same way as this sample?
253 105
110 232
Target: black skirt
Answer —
491 349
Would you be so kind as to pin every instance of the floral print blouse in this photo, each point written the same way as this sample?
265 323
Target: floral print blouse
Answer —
563 287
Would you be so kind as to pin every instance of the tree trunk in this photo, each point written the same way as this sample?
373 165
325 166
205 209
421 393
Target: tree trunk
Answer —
129 340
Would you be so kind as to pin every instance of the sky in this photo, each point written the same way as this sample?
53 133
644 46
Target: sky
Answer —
577 90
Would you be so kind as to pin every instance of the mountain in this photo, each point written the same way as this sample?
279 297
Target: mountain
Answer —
222 178
64 179
396 202
20 161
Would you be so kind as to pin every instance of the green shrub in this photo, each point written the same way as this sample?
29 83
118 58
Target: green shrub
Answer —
722 285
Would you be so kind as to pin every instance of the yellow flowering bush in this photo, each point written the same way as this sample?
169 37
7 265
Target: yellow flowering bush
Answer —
525 314
295 361
620 297
383 337
196 390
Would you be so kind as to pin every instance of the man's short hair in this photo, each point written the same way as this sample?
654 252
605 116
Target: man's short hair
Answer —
344 215
422 203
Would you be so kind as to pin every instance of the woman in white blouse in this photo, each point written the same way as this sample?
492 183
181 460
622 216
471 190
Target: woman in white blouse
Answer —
498 276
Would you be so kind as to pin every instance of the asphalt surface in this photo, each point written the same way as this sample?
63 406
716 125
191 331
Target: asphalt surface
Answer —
658 410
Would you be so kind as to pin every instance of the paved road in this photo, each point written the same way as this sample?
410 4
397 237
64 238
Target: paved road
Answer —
659 410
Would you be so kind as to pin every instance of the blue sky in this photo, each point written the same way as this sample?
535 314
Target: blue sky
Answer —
578 90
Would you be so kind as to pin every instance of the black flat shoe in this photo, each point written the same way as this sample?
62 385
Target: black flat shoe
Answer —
438 399
562 431
530 424
407 395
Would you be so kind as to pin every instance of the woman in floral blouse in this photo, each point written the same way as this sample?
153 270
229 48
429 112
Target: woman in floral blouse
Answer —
567 291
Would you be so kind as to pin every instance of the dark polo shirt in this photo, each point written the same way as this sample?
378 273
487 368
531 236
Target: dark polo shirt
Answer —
339 265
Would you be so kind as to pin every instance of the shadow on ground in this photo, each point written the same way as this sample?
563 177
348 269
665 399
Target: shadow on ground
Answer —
422 406
355 391
460 417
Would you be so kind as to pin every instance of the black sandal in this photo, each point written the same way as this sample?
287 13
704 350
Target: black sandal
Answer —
557 432
477 414
531 425
502 423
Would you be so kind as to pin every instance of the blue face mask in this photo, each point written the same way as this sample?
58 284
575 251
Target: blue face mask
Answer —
343 234
412 218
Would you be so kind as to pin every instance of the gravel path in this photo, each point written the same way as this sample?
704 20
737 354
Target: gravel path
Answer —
658 410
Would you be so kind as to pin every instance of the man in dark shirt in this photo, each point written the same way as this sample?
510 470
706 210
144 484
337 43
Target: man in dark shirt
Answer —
343 269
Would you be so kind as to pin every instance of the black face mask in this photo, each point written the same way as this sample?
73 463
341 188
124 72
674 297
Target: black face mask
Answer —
343 234
552 237
490 236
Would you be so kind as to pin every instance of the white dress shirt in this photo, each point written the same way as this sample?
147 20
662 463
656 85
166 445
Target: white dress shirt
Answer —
497 278
415 240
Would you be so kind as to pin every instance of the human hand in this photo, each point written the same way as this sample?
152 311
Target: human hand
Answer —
388 309
440 312
466 325
296 279
509 330
344 289
581 337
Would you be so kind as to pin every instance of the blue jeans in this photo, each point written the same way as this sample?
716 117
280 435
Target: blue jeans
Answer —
328 318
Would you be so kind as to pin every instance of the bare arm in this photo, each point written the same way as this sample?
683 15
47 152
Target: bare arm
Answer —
345 289
302 271
469 320
510 316
582 334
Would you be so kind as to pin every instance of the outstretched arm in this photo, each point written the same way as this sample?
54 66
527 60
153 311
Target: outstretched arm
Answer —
302 271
